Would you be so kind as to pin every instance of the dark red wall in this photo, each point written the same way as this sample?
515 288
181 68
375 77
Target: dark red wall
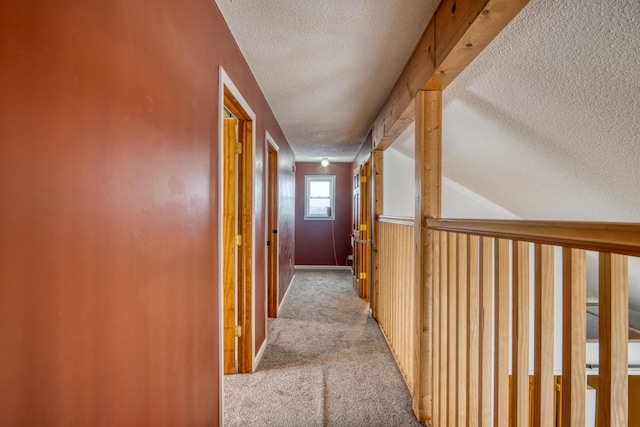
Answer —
314 242
109 210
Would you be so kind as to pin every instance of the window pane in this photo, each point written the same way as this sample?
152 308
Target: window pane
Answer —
319 189
320 207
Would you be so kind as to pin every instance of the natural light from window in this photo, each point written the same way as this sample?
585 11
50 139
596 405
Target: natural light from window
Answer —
319 197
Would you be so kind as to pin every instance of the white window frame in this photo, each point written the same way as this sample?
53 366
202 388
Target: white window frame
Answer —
307 182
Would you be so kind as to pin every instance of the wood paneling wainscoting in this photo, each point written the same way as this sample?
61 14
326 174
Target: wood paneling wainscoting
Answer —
396 309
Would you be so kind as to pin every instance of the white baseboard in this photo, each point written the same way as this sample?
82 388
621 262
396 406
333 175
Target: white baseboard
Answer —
287 292
263 347
323 267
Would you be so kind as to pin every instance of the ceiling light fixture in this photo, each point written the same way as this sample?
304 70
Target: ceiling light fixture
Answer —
324 162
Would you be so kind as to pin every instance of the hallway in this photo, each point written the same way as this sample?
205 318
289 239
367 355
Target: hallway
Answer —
326 364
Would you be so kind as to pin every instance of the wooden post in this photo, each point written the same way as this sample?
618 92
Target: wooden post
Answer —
428 158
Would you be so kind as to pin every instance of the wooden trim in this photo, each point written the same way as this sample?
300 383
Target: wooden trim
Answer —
623 238
613 384
452 39
520 330
400 220
543 411
574 336
501 324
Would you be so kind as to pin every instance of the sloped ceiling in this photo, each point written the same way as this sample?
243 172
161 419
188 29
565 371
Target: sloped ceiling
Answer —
546 121
326 67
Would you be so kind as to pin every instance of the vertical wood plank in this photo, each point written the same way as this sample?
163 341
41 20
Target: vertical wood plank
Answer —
613 383
462 287
428 168
444 327
574 336
486 333
453 329
473 329
520 347
543 387
501 324
437 331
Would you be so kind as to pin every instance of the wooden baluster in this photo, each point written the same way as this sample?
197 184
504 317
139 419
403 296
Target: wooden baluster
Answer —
574 336
444 327
453 329
473 327
461 344
544 387
436 329
520 347
501 358
486 332
612 395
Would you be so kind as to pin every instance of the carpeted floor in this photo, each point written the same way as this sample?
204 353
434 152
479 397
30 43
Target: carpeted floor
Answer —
326 364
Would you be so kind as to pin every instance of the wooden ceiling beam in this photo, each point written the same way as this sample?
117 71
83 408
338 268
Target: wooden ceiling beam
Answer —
455 36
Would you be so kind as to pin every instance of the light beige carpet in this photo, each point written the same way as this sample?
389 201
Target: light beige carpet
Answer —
326 364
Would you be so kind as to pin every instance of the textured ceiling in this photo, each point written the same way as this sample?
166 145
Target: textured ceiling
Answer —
326 67
546 121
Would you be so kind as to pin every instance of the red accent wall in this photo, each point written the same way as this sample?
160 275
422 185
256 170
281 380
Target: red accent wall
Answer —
109 210
314 241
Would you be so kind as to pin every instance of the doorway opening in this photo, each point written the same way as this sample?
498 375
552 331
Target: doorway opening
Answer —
273 242
237 229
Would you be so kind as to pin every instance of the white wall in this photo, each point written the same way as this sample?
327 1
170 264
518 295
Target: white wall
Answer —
398 190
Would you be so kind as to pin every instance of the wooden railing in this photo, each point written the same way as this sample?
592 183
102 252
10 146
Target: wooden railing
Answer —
477 265
396 309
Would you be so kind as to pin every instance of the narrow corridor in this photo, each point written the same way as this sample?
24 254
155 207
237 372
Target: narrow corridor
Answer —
326 364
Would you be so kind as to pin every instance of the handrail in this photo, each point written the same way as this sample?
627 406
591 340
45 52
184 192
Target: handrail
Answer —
622 238
401 220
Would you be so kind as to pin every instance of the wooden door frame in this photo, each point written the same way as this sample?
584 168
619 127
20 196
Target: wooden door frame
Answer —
364 200
272 255
246 254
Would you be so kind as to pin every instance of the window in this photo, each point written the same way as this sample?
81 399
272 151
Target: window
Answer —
319 200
